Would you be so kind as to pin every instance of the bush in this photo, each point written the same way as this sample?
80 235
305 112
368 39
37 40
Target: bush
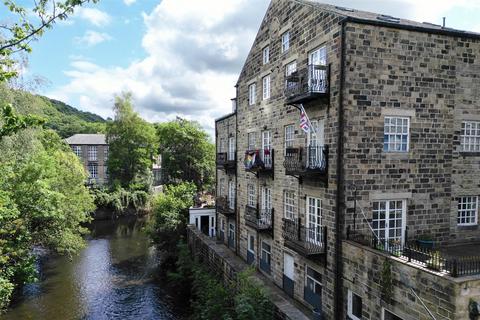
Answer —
120 200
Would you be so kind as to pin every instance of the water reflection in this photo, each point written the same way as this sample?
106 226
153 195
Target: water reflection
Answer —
110 279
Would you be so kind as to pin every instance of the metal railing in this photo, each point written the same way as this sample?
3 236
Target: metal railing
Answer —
261 159
313 79
411 251
224 205
313 159
310 240
260 220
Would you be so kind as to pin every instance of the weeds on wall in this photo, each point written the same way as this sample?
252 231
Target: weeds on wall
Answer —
386 281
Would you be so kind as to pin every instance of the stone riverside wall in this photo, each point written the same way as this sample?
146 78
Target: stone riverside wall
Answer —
445 297
222 262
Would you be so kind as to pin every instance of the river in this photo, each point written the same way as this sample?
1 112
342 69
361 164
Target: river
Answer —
112 278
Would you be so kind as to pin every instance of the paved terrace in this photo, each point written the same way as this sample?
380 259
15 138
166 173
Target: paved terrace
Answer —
286 307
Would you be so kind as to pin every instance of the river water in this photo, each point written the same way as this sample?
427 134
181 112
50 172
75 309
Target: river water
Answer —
112 278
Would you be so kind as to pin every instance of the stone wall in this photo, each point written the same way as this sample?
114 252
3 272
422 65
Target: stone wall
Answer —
444 296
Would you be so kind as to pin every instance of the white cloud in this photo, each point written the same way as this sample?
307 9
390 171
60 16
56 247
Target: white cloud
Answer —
94 16
129 2
92 38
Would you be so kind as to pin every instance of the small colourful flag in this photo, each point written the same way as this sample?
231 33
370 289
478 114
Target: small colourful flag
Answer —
304 123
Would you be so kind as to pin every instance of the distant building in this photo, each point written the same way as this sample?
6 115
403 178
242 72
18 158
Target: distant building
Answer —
92 149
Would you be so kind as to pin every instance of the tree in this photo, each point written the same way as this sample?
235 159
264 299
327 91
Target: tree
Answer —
12 123
132 144
187 152
16 36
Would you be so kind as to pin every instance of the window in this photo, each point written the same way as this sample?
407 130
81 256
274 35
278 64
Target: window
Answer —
222 225
266 55
289 204
231 194
388 220
290 68
93 170
314 220
251 243
467 211
231 149
354 307
92 153
77 150
289 136
470 137
251 195
105 171
387 315
252 91
395 138
105 153
231 231
313 280
266 253
251 140
266 87
266 198
221 184
285 41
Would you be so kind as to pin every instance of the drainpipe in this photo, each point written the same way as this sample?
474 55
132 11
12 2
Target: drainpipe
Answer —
338 309
237 211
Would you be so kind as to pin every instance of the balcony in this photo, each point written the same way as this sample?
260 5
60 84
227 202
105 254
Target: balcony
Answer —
307 84
309 242
261 221
309 162
260 161
227 161
225 206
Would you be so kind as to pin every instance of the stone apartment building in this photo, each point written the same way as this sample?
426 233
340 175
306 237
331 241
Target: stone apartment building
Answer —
92 149
372 211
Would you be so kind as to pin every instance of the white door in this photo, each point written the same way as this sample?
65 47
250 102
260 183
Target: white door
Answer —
314 220
266 198
315 144
288 263
388 221
231 149
317 75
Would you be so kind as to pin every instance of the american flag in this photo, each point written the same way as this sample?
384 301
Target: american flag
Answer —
304 123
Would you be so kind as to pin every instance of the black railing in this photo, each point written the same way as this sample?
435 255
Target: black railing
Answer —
259 160
226 160
311 80
411 251
309 241
224 205
306 161
260 220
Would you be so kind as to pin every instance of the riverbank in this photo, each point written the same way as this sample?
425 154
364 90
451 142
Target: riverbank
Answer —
114 277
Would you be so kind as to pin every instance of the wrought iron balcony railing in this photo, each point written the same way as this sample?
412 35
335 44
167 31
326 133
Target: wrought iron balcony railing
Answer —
307 84
226 160
259 160
306 241
310 161
225 206
260 220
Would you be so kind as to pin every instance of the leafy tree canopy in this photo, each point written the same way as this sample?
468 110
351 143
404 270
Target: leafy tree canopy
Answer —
132 145
187 152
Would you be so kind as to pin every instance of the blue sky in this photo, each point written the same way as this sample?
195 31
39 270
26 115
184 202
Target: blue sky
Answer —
178 57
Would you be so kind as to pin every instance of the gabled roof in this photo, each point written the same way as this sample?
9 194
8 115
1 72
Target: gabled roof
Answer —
386 20
91 139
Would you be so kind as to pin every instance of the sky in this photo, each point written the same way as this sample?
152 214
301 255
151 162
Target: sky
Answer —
178 57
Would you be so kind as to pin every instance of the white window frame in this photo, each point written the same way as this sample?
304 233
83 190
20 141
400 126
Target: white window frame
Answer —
289 136
266 198
221 183
266 81
231 231
92 153
470 136
251 140
231 194
252 94
266 253
470 210
315 281
251 195
231 149
251 243
93 170
285 41
383 313
396 136
105 153
350 305
77 150
314 214
388 219
289 204
290 68
266 55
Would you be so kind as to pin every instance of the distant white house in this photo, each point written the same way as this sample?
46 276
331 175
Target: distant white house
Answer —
204 220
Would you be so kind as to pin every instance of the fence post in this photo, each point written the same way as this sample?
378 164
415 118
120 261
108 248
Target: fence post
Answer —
454 268
348 232
406 234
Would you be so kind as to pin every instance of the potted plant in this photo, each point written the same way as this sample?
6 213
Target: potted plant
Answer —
425 241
